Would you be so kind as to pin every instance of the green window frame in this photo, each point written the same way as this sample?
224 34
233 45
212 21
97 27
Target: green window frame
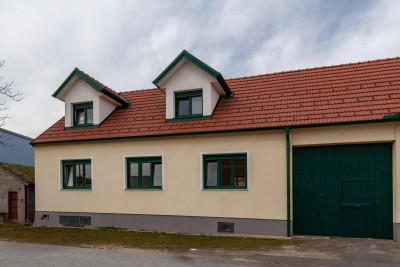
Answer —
83 114
225 171
144 173
77 174
189 104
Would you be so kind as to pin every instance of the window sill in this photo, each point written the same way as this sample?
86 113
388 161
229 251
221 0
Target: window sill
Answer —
75 189
81 127
145 189
195 118
225 189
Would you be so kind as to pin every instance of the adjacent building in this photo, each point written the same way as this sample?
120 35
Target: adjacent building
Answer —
15 148
17 193
310 152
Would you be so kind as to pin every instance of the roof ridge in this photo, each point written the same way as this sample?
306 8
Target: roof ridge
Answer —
142 89
314 68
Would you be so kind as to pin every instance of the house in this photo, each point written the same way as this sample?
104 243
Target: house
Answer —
17 193
305 152
15 148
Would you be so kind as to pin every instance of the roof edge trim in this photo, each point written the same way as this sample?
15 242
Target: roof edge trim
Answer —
203 66
92 84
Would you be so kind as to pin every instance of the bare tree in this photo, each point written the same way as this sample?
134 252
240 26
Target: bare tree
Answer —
6 92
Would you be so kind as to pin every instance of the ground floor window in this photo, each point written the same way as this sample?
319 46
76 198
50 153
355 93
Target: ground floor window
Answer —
226 171
77 174
144 172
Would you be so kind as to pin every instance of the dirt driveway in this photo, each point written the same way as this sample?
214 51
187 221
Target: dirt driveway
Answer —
316 251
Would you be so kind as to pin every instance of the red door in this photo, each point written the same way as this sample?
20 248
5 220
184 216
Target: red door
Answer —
12 205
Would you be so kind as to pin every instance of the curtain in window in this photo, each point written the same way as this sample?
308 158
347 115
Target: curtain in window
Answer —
68 176
134 175
79 174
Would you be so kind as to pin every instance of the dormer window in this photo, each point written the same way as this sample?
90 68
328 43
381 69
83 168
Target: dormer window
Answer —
87 101
189 104
186 72
83 114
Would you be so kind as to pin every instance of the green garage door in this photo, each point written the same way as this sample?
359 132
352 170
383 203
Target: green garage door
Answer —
343 191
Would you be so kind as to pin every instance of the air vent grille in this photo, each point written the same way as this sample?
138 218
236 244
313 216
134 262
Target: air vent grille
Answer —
75 220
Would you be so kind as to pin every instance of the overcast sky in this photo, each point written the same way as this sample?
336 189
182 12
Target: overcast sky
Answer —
126 44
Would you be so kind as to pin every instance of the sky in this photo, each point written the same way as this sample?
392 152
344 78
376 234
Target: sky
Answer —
126 44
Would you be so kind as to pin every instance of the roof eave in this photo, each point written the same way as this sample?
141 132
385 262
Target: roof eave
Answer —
385 119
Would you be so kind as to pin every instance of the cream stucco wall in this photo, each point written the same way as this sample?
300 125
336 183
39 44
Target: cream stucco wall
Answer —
182 193
189 77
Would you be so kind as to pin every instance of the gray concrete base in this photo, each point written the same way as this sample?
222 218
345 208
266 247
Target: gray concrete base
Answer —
169 223
396 232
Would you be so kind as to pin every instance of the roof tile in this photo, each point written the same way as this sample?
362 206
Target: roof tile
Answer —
344 93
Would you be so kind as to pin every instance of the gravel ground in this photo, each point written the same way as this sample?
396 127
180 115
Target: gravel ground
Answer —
311 252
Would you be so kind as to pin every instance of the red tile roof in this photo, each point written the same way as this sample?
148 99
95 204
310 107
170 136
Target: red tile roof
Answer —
355 92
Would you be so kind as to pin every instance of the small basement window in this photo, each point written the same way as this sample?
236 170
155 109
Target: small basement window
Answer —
83 114
226 227
189 104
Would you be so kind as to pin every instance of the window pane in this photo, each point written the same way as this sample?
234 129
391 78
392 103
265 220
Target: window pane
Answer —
183 107
134 175
68 175
240 172
89 114
88 174
197 105
157 171
226 172
80 116
146 178
212 173
79 174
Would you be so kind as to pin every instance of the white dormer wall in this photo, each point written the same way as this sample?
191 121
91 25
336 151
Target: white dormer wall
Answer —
106 106
80 92
189 77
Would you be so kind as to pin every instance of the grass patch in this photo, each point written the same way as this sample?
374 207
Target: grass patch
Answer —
27 172
115 237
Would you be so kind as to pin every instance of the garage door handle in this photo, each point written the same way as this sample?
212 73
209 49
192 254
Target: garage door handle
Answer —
355 205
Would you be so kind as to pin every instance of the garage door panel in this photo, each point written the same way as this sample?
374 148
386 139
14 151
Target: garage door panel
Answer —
356 208
316 192
343 190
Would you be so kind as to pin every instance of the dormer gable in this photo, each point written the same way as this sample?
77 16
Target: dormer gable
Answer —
87 102
192 88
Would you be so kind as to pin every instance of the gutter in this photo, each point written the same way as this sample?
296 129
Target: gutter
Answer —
288 224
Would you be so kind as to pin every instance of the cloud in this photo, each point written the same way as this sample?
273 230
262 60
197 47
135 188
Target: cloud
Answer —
126 44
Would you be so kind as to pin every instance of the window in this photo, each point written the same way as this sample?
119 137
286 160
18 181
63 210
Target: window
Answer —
144 172
77 174
227 171
189 104
83 114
